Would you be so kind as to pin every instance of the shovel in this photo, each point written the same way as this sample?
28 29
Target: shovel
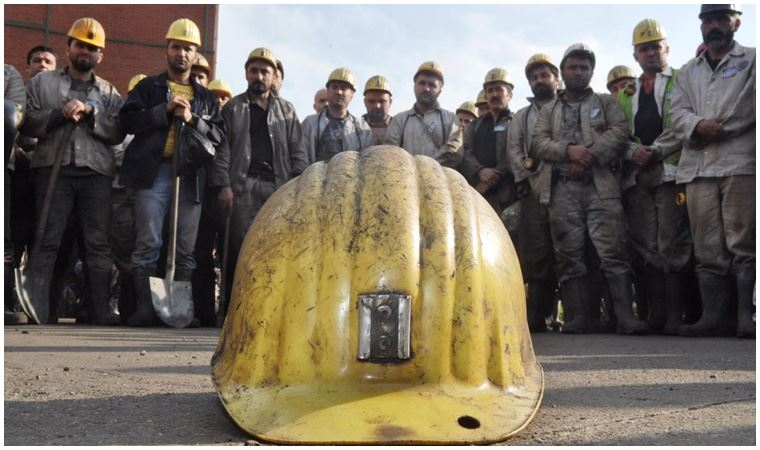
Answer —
38 309
221 313
172 300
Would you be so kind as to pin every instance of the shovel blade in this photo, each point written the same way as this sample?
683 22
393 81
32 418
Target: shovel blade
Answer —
173 301
38 311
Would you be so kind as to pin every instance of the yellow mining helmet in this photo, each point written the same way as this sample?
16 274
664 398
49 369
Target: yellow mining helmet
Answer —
648 30
469 108
201 61
89 31
134 80
263 54
498 74
378 299
619 72
184 30
432 68
342 74
539 58
220 87
481 100
378 83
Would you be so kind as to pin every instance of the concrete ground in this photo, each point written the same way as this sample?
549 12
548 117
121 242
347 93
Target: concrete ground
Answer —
82 385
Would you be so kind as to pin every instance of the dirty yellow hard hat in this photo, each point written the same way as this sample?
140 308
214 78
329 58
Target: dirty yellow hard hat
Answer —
184 30
539 58
481 100
619 72
134 80
220 86
89 31
201 61
430 67
342 74
648 30
469 108
377 299
378 83
263 54
498 74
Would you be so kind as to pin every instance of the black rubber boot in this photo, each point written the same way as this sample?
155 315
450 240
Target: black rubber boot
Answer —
540 298
126 296
745 289
658 308
574 303
145 315
716 317
100 295
39 292
622 302
674 301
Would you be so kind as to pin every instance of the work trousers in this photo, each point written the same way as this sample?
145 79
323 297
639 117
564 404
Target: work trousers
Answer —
722 216
575 209
535 246
659 227
88 197
247 204
151 208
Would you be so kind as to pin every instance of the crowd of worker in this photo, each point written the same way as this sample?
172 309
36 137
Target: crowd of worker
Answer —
636 208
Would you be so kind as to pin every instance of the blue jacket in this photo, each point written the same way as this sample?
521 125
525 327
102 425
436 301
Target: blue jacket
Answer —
144 115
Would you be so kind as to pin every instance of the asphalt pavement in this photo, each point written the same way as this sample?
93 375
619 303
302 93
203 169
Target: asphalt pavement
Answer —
84 385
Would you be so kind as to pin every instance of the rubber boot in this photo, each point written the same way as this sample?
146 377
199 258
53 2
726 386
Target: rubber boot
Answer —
100 295
674 300
573 298
622 302
145 315
745 288
644 292
126 296
716 317
692 299
658 310
540 297
39 293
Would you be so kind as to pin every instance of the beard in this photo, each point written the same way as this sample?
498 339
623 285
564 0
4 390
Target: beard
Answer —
543 92
178 65
376 115
577 84
83 64
426 99
716 39
257 88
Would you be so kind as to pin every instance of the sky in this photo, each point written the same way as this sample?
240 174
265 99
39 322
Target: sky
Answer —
467 40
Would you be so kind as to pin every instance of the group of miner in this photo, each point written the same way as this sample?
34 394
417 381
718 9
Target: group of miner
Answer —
636 209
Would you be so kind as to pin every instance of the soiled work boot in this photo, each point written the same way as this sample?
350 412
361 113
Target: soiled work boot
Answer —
674 300
145 315
716 317
622 301
100 295
573 299
744 291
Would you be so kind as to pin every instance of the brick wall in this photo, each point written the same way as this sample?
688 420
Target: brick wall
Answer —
134 35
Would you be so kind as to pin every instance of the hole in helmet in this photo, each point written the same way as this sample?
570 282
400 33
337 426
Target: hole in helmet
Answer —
468 422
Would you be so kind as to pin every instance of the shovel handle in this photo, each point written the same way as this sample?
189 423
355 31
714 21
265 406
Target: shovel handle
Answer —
42 220
223 300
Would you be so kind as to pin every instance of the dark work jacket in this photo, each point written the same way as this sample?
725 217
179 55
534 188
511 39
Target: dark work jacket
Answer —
144 115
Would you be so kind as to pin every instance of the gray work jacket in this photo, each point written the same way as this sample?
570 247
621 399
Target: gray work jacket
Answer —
356 133
604 130
289 157
726 93
92 139
519 139
435 133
